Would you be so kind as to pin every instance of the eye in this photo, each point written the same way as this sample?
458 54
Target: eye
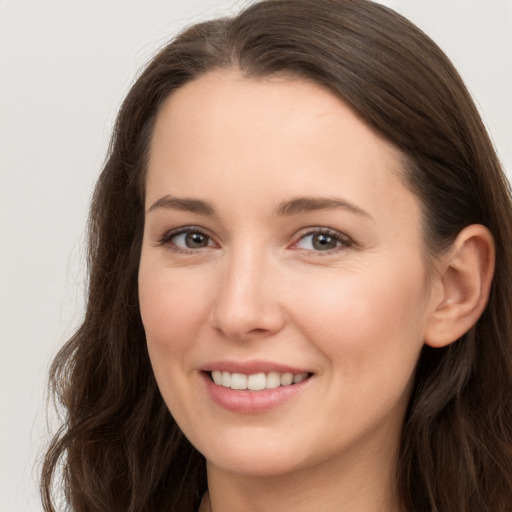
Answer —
187 239
324 240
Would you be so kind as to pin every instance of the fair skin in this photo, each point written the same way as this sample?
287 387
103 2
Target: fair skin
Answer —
279 238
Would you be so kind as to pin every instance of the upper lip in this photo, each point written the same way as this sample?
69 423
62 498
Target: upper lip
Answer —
251 367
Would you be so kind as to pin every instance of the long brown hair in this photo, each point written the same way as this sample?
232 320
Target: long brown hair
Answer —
119 448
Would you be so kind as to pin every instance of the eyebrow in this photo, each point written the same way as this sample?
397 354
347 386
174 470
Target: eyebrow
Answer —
310 204
295 206
183 203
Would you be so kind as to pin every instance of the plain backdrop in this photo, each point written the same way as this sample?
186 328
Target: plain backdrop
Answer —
65 66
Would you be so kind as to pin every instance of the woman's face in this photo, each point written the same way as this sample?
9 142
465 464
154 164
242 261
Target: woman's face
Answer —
280 244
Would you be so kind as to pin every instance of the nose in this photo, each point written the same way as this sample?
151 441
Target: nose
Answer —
246 304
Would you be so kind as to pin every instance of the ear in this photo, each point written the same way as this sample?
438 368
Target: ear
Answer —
462 286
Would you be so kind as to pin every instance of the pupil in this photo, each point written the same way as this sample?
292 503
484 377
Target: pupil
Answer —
323 242
195 240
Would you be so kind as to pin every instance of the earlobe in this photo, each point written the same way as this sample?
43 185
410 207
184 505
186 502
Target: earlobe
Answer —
464 283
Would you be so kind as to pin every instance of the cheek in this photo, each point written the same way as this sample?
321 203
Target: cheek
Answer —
369 329
362 316
172 308
172 314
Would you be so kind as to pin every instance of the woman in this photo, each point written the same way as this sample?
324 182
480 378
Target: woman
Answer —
300 280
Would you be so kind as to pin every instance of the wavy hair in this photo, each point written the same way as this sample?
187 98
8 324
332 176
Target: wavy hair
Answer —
118 448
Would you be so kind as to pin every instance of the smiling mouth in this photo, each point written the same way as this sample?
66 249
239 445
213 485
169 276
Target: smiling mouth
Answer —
256 381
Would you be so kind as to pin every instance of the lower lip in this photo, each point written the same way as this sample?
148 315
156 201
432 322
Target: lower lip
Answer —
252 402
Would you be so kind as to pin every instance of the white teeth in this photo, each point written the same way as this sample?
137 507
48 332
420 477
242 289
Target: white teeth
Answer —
226 379
286 379
273 380
238 381
256 381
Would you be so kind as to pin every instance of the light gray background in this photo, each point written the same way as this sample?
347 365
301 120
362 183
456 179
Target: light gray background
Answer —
65 66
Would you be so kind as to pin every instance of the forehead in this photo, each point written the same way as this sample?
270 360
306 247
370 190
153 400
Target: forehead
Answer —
225 101
274 136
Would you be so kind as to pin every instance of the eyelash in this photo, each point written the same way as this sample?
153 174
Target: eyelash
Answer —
342 240
166 240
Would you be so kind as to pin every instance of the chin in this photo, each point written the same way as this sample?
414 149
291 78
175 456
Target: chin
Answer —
254 456
262 464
